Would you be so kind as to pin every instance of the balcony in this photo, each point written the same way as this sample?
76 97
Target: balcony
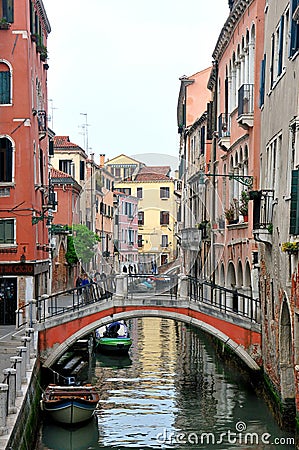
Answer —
245 106
224 131
262 215
191 239
42 124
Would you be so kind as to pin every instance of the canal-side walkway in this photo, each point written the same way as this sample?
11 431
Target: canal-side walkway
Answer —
17 365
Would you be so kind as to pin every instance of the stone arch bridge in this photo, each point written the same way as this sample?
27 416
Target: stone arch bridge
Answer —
229 315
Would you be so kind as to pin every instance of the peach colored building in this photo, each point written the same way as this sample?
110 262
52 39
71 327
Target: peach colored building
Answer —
234 167
195 141
24 192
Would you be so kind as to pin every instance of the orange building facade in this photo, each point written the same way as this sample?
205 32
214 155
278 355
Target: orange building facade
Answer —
24 147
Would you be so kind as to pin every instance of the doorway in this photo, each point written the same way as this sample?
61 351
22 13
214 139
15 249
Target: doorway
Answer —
8 301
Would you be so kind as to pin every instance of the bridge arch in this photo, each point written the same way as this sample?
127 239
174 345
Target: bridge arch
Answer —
232 344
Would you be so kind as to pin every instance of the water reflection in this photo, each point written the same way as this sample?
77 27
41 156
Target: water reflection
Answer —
172 385
58 437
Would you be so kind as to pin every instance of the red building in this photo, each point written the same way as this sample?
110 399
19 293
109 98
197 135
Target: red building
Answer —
24 146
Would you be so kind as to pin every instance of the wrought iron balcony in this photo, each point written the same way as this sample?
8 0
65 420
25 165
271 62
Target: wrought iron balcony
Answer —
191 239
245 106
224 131
262 214
42 123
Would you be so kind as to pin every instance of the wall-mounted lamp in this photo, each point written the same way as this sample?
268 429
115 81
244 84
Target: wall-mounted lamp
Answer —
246 180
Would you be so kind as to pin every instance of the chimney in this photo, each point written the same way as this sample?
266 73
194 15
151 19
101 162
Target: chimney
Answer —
102 160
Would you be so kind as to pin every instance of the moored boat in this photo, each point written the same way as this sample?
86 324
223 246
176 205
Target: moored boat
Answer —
70 404
114 338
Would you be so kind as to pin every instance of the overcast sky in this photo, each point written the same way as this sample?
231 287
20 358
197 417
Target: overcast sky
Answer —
119 62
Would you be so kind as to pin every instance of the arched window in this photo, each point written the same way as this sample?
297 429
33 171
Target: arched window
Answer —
5 84
6 156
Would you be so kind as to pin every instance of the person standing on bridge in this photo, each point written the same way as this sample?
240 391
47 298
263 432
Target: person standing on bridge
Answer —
84 283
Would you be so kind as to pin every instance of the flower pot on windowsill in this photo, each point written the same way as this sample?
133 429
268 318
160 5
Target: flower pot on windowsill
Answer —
232 221
245 217
292 248
5 25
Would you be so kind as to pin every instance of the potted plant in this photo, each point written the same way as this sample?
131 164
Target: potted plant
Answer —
290 247
243 208
4 25
230 213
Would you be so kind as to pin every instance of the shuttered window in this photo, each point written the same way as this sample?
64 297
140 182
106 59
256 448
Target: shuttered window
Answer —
7 10
262 81
280 47
294 38
7 231
294 213
164 218
82 170
4 86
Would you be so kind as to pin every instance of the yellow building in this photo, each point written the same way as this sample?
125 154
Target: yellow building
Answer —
154 189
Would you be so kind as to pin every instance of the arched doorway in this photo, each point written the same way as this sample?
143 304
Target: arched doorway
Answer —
231 284
287 379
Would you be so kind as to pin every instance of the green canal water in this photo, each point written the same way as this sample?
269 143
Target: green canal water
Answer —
172 391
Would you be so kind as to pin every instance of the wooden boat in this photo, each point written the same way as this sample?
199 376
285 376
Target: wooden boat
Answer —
70 404
114 338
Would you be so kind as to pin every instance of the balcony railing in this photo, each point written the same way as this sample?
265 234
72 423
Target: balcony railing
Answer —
263 214
245 105
42 121
224 125
191 238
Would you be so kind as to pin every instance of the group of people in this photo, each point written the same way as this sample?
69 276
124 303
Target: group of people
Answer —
82 280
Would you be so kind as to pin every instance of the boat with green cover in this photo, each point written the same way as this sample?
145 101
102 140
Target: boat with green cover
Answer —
114 338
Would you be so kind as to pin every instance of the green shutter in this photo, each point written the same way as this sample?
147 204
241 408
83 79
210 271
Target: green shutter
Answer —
8 10
1 231
5 87
7 231
294 213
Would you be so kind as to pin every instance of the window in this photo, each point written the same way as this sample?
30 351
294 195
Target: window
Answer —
294 213
129 209
164 218
294 38
126 191
202 140
164 240
131 237
7 231
140 240
164 192
139 192
82 170
5 84
262 81
5 161
66 166
7 10
280 45
140 218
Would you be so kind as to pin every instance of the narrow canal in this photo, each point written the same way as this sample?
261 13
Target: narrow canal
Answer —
172 391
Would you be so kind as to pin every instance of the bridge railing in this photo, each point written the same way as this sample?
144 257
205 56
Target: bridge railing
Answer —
162 285
224 299
47 306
